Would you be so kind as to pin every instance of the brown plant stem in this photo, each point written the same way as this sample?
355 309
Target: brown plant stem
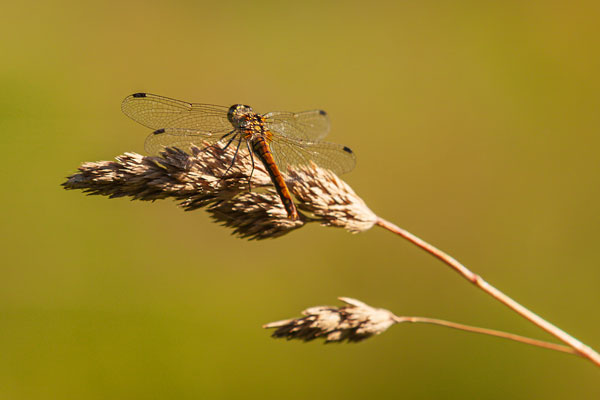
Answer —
580 348
491 332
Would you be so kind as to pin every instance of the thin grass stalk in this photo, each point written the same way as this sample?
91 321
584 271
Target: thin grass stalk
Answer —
582 349
491 332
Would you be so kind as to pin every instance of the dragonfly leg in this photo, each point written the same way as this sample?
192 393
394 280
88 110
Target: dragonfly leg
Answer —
230 141
234 155
251 172
222 137
227 134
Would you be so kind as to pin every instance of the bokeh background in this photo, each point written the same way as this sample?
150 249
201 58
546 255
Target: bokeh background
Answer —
476 127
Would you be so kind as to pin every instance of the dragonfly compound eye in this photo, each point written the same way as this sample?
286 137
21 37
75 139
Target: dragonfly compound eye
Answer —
238 113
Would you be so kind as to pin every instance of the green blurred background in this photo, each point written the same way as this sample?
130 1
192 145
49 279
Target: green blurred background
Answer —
475 126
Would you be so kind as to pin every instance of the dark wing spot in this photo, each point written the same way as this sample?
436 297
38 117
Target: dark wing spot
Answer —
159 131
346 149
322 112
139 95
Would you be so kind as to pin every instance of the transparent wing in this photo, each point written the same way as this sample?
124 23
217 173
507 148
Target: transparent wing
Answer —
289 151
158 112
155 143
310 125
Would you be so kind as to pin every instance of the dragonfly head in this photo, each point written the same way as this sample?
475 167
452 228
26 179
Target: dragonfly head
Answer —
239 113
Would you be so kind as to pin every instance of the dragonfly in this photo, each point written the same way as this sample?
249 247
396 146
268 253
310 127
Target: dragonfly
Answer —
278 139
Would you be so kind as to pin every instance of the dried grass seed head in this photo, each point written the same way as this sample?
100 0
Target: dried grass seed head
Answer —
254 215
196 181
329 199
353 323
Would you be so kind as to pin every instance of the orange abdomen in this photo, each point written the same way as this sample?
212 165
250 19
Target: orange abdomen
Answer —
261 148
